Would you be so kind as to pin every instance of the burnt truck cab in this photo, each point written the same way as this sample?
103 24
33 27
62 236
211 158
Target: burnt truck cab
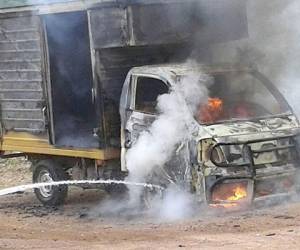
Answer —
244 143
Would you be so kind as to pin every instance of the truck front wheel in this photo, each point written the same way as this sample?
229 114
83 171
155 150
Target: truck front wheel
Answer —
48 171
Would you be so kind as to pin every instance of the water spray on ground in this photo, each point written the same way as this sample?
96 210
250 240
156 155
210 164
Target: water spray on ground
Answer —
23 188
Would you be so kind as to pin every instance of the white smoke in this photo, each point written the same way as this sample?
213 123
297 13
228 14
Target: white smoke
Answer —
273 45
156 146
176 204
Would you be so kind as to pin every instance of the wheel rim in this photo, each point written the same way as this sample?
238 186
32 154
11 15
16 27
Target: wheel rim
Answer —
44 176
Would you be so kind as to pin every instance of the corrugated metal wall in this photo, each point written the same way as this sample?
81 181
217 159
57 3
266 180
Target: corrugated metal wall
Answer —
21 94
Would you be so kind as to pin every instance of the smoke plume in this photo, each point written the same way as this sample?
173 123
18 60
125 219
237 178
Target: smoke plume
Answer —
273 45
156 146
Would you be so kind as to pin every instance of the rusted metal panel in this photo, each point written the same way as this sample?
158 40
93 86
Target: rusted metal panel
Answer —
21 74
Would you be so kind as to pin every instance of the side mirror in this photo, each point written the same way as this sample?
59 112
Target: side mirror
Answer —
128 110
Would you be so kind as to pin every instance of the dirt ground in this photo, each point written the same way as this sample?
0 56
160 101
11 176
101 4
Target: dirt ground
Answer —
25 224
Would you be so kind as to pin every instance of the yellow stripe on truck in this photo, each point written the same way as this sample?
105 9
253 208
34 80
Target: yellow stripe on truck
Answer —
28 143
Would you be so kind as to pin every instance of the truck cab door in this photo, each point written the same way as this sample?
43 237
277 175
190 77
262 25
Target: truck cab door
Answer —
141 109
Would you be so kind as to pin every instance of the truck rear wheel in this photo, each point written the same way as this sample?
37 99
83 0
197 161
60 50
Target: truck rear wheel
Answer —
48 171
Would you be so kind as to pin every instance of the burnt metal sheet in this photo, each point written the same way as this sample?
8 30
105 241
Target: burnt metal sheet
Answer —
195 21
109 27
11 4
166 22
21 3
21 74
112 66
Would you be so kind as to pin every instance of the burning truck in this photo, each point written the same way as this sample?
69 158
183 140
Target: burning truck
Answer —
80 82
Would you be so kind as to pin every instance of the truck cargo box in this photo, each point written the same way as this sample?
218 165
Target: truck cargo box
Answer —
62 65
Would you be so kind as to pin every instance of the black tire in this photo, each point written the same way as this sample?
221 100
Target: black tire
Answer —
47 170
116 190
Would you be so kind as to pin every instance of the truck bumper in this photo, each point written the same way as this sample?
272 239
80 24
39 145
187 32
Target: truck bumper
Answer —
264 188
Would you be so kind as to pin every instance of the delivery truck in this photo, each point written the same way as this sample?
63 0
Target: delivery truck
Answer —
79 82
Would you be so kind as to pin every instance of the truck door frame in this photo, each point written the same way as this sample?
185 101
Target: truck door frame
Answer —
95 89
142 119
48 86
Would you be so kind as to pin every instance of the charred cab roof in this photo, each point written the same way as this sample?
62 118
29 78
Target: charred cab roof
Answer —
165 70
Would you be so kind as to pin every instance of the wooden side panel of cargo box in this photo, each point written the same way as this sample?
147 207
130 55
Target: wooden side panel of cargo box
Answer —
21 75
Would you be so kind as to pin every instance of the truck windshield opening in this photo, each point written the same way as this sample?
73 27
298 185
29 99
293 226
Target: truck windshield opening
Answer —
238 96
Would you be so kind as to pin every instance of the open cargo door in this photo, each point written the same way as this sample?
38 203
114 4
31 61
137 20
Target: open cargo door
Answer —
70 81
22 101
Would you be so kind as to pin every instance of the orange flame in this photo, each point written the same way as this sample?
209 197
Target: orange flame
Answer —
215 103
229 196
212 111
239 193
